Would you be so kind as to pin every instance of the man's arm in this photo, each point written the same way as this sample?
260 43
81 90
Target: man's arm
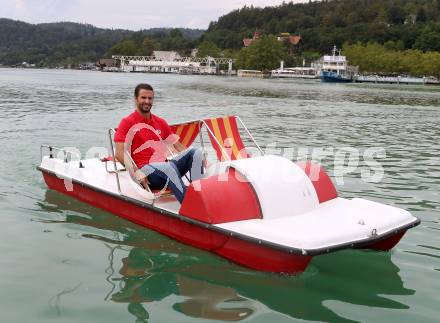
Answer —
138 174
173 143
119 152
178 146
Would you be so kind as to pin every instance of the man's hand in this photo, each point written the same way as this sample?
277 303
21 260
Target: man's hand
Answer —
205 164
178 146
141 178
174 144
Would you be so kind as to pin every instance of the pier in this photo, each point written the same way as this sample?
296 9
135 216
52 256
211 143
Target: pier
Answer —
171 62
395 79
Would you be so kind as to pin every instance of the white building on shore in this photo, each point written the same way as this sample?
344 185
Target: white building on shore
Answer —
172 62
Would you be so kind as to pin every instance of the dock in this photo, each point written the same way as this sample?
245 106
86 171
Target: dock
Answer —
168 62
395 80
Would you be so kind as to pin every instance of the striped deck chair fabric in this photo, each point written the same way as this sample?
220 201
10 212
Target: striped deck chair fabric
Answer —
227 134
187 132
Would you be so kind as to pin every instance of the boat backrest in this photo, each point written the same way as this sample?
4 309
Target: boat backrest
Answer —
225 138
223 133
187 132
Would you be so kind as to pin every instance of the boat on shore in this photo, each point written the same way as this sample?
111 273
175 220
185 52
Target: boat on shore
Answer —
334 77
335 69
263 212
295 73
250 73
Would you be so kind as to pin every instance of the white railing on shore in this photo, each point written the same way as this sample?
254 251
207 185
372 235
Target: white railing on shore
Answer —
204 65
201 60
390 79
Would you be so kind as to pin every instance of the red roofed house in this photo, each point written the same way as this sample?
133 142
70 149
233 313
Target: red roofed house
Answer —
291 39
248 41
294 42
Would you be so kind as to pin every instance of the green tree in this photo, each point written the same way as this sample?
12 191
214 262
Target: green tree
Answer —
208 48
428 41
325 23
394 45
229 53
176 33
147 47
126 47
421 15
396 15
375 58
263 54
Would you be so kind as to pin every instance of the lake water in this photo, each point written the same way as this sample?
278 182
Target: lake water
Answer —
65 261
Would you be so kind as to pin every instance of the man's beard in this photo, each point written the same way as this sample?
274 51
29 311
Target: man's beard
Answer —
145 108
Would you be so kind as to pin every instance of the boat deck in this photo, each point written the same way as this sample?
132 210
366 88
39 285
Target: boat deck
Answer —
338 222
95 175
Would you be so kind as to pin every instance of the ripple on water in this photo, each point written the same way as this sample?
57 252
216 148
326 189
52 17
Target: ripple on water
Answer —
68 242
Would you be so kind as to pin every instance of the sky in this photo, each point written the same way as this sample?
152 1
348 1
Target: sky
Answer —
127 14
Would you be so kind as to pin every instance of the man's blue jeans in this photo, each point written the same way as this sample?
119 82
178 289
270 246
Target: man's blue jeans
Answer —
159 173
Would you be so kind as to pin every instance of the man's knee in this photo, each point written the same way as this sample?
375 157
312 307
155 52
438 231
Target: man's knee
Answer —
197 154
172 169
148 170
191 151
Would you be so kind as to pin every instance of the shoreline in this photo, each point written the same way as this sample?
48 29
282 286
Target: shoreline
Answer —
372 79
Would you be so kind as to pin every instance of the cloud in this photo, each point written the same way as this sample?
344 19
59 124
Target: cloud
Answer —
19 4
129 14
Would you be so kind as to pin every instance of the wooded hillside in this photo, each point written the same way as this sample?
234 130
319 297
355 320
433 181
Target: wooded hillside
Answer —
66 43
401 24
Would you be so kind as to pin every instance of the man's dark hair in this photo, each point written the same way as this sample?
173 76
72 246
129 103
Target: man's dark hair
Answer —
142 86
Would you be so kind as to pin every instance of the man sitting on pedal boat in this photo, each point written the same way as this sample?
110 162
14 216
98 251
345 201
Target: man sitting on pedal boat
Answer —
148 139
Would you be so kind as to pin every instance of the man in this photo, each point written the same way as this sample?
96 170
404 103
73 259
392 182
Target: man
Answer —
149 139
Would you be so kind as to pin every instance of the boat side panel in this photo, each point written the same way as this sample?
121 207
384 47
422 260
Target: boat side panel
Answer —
282 187
262 258
220 199
324 187
173 227
386 244
246 253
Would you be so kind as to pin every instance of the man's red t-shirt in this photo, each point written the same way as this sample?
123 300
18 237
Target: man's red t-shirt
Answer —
145 136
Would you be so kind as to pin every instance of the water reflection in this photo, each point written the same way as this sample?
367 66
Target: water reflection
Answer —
144 280
312 90
236 90
154 268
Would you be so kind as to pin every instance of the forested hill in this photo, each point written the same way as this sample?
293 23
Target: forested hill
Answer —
53 44
395 24
402 24
63 43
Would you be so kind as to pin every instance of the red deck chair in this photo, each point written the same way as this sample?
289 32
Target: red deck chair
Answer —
187 132
226 133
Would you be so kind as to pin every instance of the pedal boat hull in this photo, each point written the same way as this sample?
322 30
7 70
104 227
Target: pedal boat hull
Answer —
242 249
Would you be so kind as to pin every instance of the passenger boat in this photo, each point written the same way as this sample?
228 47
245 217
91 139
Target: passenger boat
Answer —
334 68
295 73
333 77
250 73
261 211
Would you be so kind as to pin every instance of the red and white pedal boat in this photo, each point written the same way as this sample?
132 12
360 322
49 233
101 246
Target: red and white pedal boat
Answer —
264 212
